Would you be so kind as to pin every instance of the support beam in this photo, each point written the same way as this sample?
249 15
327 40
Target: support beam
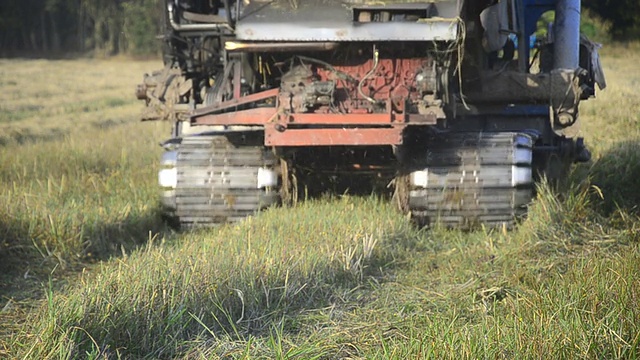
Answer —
333 137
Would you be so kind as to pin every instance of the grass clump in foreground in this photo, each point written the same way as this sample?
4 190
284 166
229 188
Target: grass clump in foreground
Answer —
76 198
77 169
76 186
237 281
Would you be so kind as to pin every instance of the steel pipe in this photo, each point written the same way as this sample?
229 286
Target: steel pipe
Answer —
279 46
567 35
193 27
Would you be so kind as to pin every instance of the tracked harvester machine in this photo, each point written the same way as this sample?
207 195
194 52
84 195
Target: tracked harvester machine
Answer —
445 102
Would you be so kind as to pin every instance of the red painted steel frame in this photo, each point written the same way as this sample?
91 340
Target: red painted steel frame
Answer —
262 116
257 116
333 137
306 129
234 103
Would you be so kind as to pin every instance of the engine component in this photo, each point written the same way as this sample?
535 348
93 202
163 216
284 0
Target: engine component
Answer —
300 92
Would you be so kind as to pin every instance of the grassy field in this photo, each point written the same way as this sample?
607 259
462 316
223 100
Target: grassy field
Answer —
88 270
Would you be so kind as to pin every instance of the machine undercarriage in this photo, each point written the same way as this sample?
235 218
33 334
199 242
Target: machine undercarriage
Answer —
274 99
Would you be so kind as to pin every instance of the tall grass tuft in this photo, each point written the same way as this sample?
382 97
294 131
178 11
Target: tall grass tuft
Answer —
53 196
72 191
617 174
235 282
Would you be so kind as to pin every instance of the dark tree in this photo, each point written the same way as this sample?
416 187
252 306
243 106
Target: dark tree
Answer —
54 27
624 16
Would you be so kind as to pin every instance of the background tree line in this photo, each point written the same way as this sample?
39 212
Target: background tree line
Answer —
106 27
109 27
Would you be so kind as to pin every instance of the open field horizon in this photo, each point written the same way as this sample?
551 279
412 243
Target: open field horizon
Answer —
88 269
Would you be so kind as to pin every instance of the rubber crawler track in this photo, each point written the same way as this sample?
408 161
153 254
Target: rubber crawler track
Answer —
217 180
470 181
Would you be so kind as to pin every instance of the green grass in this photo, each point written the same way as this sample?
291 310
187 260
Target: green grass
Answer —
90 271
70 192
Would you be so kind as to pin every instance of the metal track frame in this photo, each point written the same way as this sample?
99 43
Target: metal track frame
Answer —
217 180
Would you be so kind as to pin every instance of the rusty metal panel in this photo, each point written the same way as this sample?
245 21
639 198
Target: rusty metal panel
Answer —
263 116
342 119
333 137
257 116
360 119
233 103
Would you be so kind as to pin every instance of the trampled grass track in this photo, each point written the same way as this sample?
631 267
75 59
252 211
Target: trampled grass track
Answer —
89 271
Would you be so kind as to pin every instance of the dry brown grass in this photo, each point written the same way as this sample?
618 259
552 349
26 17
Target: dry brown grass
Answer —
614 116
44 99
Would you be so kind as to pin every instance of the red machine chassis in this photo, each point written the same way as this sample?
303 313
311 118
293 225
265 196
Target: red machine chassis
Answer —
288 129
